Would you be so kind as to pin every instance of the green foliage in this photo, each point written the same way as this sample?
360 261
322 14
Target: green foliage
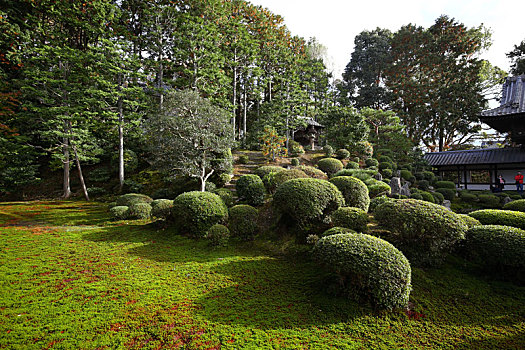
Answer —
266 169
226 196
313 172
468 197
417 196
352 218
445 184
295 148
469 221
243 221
385 159
363 149
336 231
342 154
447 193
424 232
500 217
352 165
386 166
517 56
307 201
102 174
243 159
95 191
218 235
161 208
387 173
250 188
371 162
330 165
368 265
119 212
516 205
294 162
345 127
141 211
429 176
498 248
354 191
377 201
195 212
129 199
328 151
439 198
377 188
427 196
284 176
273 145
489 201
406 175
423 185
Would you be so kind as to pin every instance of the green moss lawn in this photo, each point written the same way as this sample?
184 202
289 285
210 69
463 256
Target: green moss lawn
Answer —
70 278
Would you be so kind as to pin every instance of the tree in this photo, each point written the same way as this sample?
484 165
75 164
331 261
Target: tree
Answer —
189 136
517 57
345 126
273 145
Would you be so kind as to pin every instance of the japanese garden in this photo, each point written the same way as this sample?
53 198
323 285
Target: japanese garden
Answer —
190 174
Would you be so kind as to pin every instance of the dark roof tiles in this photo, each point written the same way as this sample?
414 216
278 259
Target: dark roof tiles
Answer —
477 156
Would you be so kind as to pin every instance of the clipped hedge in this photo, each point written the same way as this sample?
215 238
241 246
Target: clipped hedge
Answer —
251 189
489 201
284 176
242 221
129 199
445 184
371 162
141 211
195 212
439 198
161 208
218 235
267 169
517 205
447 193
387 173
469 221
424 232
330 165
406 175
352 165
377 188
377 201
119 212
368 265
353 218
342 153
499 248
226 196
354 191
313 172
294 162
336 231
328 150
427 197
500 217
307 200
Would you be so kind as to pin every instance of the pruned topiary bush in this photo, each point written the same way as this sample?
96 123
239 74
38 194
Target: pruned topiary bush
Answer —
424 232
353 218
133 198
447 193
377 201
336 231
342 153
489 201
368 266
307 201
427 196
119 212
407 175
242 221
387 173
267 169
500 217
294 162
517 205
439 198
469 221
251 189
498 248
226 196
218 235
313 172
445 184
378 188
354 191
284 176
328 150
371 162
141 211
352 165
330 165
161 208
195 212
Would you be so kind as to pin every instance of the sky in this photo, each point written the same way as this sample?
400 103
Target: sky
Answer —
335 23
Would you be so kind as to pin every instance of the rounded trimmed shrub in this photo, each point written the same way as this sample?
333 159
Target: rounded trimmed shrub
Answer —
307 200
377 201
243 221
489 201
517 205
427 196
368 265
417 196
286 175
328 150
406 175
499 248
371 162
447 193
469 221
384 159
312 172
353 218
500 217
387 173
468 197
424 232
439 198
377 188
445 184
355 159
141 211
336 231
429 176
226 196
119 212
342 153
195 212
385 165
251 189
352 165
218 235
354 191
294 162
161 208
330 165
267 169
295 148
129 199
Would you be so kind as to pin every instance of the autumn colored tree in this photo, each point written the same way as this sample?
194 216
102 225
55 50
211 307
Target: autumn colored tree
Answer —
273 145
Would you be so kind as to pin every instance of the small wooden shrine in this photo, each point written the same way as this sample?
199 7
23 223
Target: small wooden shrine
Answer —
308 136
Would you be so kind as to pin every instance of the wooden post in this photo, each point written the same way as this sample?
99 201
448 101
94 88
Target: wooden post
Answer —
465 175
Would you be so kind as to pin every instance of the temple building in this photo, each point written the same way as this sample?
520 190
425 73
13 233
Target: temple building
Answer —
479 168
308 136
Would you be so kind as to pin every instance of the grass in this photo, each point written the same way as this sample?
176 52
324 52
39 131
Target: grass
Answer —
70 278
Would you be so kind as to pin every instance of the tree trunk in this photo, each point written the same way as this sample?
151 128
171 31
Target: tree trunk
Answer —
120 137
65 148
245 107
81 178
234 89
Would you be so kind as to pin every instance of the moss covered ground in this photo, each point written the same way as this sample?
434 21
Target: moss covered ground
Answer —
70 278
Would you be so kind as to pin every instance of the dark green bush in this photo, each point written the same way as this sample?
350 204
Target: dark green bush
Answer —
377 201
164 193
377 188
384 159
387 173
439 198
221 179
218 235
295 148
337 231
267 169
499 248
243 221
445 184
500 217
469 221
489 201
352 165
355 159
251 189
243 159
161 208
354 191
294 162
133 198
342 153
139 211
119 212
427 196
447 193
286 175
406 175
313 172
101 174
308 200
96 191
368 265
468 197
517 205
328 151
424 232
195 212
429 176
361 174
353 218
226 196
417 196
371 162
385 165
330 165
